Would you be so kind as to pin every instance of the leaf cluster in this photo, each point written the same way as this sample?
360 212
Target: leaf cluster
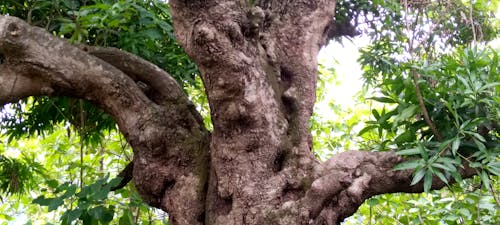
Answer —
18 175
439 94
89 201
464 203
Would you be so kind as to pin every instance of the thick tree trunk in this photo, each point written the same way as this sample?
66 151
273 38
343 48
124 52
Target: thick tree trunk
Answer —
258 64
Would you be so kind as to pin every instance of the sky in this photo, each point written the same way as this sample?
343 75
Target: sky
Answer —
343 58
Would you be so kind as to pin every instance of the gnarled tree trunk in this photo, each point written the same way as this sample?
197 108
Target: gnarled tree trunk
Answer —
258 63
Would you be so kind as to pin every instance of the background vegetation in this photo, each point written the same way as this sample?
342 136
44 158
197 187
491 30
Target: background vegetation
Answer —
431 93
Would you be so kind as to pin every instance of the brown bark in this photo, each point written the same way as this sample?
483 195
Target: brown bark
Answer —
169 140
258 63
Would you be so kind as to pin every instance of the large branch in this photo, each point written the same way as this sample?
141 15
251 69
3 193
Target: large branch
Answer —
349 178
168 136
36 57
157 84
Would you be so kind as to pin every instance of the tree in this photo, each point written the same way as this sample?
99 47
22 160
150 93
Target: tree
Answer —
257 60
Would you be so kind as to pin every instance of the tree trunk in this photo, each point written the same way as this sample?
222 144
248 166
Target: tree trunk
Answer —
258 62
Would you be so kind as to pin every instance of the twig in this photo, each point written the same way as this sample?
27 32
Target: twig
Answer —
472 21
415 81
424 109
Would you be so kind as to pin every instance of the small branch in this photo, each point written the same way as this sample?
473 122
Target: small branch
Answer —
416 78
82 137
472 21
125 175
139 69
164 91
423 108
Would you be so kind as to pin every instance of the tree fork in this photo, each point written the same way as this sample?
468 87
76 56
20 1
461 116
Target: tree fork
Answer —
258 63
169 140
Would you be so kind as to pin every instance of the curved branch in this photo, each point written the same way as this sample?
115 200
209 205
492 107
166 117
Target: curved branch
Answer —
167 135
160 86
45 60
126 176
15 85
351 177
140 70
421 103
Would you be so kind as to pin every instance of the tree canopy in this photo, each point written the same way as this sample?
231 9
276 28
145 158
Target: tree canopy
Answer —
428 114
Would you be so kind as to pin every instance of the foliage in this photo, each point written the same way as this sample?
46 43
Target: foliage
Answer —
464 203
427 59
461 95
19 175
333 125
71 186
89 201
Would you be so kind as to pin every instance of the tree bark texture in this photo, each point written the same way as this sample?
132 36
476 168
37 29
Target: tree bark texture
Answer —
258 62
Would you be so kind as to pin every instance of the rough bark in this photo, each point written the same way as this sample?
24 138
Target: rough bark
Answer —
168 137
258 63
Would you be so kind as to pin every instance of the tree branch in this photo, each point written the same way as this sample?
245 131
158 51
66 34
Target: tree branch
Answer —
15 85
160 86
126 176
139 69
167 135
351 177
35 55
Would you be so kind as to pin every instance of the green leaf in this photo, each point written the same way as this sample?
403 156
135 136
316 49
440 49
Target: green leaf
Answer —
112 183
52 183
406 113
479 145
373 201
477 136
412 164
405 137
444 144
441 176
455 145
494 167
456 176
84 192
428 181
69 216
419 174
99 195
447 163
440 166
108 215
489 86
126 218
70 190
411 151
465 212
55 203
376 114
485 179
97 212
383 99
423 151
41 200
366 129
